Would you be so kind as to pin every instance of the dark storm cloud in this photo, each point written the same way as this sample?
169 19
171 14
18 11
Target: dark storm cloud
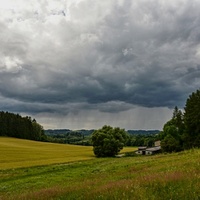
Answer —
105 55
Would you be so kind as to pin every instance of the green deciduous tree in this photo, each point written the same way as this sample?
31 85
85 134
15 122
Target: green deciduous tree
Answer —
171 136
178 120
170 144
108 141
192 120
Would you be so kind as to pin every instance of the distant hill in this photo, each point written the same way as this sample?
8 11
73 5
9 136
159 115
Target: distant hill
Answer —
56 131
51 132
143 132
67 136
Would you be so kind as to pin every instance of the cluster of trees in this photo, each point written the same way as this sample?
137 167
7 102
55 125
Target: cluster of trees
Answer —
142 139
183 130
66 136
14 125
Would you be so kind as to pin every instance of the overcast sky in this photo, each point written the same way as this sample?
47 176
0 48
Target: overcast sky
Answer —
84 63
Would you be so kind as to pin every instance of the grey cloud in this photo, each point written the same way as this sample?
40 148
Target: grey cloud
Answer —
108 56
113 107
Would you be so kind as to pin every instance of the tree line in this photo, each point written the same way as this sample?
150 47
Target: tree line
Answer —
183 130
66 136
141 139
83 137
14 125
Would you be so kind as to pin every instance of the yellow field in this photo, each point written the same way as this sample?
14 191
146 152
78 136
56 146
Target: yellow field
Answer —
16 153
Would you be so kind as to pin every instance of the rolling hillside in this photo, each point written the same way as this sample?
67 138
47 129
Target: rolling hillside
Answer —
16 153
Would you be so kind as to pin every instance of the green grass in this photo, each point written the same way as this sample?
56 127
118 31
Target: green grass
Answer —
25 153
17 153
161 177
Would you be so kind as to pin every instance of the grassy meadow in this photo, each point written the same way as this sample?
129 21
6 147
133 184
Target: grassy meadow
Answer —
160 177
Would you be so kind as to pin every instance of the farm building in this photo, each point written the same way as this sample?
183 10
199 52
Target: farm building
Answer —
149 150
141 150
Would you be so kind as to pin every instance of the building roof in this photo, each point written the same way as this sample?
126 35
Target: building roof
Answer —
154 148
142 148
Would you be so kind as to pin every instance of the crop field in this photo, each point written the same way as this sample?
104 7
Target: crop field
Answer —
161 177
25 153
17 153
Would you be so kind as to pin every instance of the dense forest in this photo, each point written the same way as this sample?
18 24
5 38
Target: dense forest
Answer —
14 125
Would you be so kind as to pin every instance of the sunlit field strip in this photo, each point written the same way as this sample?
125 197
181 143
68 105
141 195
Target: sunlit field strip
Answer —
17 153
